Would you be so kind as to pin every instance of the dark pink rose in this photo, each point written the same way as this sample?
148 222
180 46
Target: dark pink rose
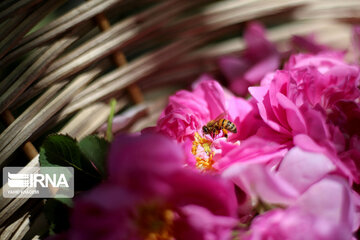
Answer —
149 195
259 58
308 44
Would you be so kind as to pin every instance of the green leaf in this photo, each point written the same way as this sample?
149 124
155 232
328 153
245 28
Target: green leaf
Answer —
109 135
95 150
62 150
57 213
66 201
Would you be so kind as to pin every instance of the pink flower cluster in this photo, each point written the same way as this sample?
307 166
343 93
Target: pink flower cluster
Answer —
291 161
291 171
295 158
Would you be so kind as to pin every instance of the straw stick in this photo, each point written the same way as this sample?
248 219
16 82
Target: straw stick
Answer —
80 126
8 206
60 26
34 71
120 60
28 147
14 36
21 68
9 7
9 141
104 47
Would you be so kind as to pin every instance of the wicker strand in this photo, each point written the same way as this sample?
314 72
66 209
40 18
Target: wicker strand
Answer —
168 43
61 26
118 37
15 36
8 206
9 7
28 147
120 60
34 71
10 142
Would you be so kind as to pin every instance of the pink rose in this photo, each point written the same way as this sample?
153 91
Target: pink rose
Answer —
187 112
312 96
323 78
309 44
259 58
314 203
294 224
149 195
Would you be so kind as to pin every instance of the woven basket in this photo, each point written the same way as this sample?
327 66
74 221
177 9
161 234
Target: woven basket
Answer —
62 61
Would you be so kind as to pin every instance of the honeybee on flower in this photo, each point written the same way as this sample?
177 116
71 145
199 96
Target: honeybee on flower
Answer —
214 127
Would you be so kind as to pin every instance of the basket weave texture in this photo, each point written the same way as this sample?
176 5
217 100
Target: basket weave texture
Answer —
62 61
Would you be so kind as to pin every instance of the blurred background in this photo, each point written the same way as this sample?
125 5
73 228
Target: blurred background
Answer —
62 61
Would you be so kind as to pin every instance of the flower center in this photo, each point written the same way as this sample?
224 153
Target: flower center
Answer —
201 149
155 223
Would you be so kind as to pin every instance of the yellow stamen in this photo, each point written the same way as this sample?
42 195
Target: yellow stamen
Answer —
204 164
155 223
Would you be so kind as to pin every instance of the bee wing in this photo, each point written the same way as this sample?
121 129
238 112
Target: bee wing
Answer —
221 115
211 123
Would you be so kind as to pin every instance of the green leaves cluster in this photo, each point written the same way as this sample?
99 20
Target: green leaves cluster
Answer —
87 157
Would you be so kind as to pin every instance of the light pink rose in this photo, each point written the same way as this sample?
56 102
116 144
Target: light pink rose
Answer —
305 185
253 150
259 183
294 224
302 169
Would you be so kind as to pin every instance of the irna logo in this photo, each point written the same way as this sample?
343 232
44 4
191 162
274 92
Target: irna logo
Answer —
38 182
19 180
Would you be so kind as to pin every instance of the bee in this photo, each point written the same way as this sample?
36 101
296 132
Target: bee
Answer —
219 123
